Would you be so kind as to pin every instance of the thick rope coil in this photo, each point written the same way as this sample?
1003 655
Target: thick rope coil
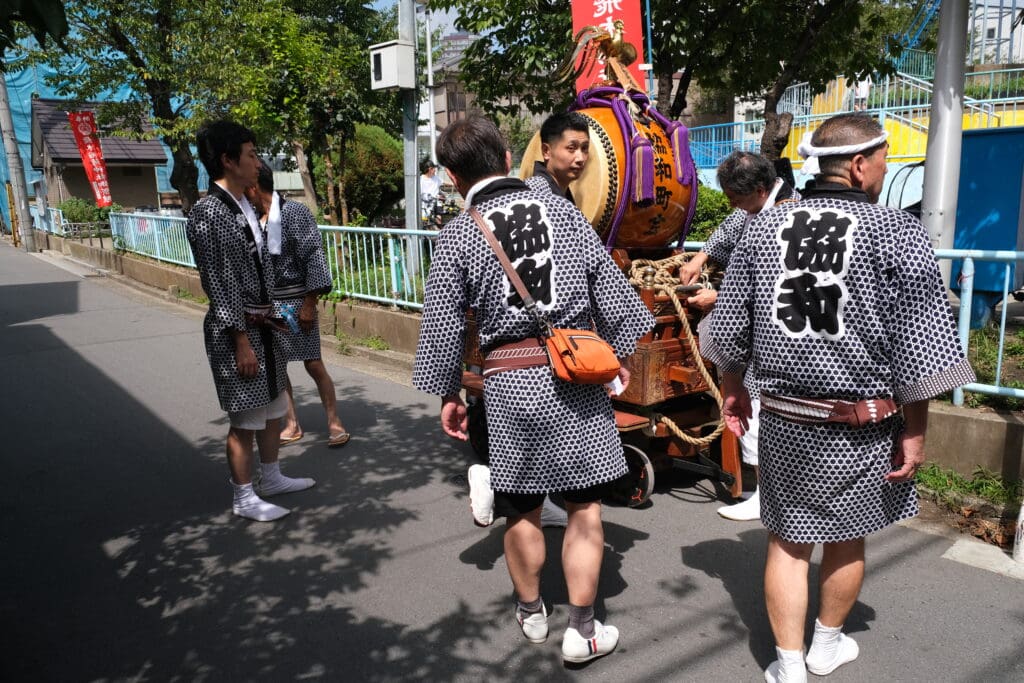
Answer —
666 282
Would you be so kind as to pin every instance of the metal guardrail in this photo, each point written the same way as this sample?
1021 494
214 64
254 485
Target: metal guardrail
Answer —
389 266
382 265
991 99
159 237
53 223
968 258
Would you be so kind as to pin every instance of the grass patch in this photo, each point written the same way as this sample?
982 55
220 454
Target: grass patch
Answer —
345 343
185 295
983 354
376 343
982 484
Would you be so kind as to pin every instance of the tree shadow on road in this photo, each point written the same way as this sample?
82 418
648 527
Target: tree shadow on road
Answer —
739 565
123 560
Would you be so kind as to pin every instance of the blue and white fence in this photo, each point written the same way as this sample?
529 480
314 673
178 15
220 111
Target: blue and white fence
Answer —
153 235
53 222
967 258
389 266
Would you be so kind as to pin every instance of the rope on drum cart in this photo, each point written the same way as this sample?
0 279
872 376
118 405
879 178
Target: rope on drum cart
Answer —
666 282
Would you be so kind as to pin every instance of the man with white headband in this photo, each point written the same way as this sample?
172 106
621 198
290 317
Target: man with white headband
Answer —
837 308
751 184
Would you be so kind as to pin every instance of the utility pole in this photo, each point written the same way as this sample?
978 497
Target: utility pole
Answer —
20 208
945 129
432 126
410 119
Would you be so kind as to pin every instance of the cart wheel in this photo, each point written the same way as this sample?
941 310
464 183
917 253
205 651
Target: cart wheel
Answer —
640 476
477 419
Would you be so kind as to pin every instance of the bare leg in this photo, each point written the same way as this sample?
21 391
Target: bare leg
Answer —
269 441
785 590
582 551
524 554
842 574
291 420
239 451
325 385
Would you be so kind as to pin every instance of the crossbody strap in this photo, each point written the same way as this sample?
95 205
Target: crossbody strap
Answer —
510 271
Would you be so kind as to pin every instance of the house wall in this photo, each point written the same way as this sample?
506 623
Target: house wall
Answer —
130 186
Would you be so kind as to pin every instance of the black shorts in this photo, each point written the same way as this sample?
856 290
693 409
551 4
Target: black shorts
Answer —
518 504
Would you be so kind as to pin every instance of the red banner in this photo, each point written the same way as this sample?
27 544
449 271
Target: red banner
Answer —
83 125
602 13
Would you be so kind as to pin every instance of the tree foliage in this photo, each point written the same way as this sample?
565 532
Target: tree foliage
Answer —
43 18
754 49
295 71
374 176
521 43
165 61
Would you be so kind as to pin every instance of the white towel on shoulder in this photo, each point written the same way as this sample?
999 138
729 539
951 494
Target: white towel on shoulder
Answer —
274 225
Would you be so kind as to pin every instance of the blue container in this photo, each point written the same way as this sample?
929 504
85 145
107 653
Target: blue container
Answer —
988 213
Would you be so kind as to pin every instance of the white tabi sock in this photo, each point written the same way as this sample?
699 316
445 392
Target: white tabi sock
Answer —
273 483
830 649
788 668
250 506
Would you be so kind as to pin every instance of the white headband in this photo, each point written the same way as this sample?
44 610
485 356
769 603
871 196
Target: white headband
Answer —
811 153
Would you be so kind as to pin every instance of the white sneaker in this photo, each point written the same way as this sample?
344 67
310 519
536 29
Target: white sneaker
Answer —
747 511
576 648
535 626
277 484
481 496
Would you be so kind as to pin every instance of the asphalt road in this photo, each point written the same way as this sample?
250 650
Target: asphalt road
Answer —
121 560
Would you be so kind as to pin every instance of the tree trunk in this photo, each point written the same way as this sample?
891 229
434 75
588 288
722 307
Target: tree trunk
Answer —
302 163
184 174
776 126
342 200
664 96
332 206
679 102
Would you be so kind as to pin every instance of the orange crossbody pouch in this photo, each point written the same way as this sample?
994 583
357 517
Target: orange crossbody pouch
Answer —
577 356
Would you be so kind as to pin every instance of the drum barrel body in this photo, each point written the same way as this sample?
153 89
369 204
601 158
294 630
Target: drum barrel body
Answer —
602 185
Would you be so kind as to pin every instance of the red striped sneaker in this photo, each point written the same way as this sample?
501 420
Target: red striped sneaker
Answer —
535 626
576 648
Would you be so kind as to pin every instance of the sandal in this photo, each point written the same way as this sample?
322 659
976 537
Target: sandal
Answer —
338 440
285 440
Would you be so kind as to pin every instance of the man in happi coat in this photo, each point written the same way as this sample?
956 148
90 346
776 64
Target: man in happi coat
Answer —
301 275
237 275
565 146
837 307
751 185
544 435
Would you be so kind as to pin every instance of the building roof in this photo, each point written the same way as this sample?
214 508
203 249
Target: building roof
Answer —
50 120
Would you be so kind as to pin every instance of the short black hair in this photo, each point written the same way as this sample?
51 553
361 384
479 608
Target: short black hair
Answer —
426 165
744 173
221 137
556 124
473 149
265 179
